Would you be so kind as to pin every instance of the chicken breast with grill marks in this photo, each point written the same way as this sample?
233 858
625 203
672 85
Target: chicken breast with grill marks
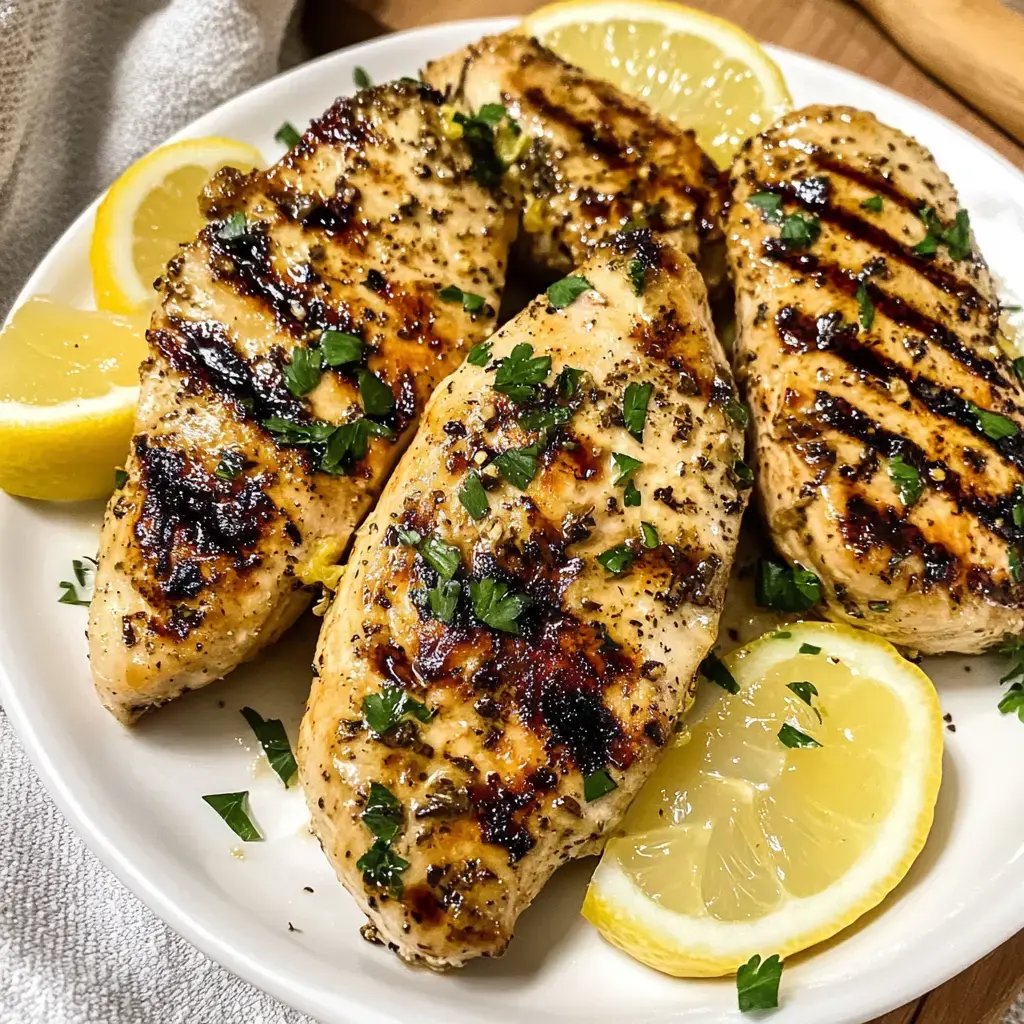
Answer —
249 467
597 159
525 610
887 421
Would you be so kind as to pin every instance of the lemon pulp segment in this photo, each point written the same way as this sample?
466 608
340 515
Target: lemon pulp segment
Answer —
51 353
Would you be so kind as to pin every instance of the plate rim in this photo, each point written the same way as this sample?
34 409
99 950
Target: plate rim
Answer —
980 935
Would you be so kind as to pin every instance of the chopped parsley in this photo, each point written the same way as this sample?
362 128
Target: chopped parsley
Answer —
567 383
382 814
478 133
480 354
231 808
120 478
519 373
444 599
383 711
340 348
302 374
292 433
473 496
809 648
274 741
382 868
649 536
637 275
713 668
737 412
769 203
992 424
906 479
598 784
624 467
1016 570
757 983
563 293
1018 507
956 239
786 589
288 135
632 496
805 691
471 302
519 465
781 634
634 408
377 398
361 79
1018 368
617 559
494 606
233 228
545 419
349 443
799 231
874 204
866 307
445 559
79 593
743 473
878 606
231 464
791 737
1012 702
410 538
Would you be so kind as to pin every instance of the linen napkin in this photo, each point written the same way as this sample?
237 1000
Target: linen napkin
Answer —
87 86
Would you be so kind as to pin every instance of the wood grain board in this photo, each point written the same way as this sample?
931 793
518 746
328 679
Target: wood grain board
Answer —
840 33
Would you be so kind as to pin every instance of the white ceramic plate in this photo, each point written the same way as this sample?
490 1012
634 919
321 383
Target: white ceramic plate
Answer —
134 795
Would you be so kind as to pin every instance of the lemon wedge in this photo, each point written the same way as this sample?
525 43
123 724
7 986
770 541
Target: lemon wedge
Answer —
149 211
703 72
791 808
68 384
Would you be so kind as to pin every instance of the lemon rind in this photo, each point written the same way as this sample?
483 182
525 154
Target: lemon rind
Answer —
687 946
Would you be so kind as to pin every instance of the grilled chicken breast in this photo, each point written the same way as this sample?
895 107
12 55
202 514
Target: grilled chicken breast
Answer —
887 421
598 159
250 467
524 612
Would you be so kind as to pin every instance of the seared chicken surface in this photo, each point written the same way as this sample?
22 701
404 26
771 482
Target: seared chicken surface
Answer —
597 159
524 612
297 339
887 421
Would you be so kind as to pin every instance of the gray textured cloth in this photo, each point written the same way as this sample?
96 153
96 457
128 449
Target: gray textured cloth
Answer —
86 86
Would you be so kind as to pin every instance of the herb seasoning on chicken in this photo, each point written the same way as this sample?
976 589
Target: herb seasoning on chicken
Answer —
887 421
524 612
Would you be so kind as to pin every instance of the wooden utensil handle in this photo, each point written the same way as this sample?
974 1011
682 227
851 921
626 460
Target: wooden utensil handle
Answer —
975 46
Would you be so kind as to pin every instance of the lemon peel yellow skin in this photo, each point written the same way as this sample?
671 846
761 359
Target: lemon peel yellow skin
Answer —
782 900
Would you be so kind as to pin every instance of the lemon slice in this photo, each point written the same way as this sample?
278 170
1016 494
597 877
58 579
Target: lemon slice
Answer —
68 384
149 211
741 843
705 73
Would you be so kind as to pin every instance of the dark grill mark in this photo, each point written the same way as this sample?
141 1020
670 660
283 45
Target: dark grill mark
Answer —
893 306
856 226
865 527
996 513
188 515
202 351
502 815
830 333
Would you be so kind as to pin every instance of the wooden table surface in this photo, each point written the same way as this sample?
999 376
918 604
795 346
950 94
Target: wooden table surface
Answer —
840 33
